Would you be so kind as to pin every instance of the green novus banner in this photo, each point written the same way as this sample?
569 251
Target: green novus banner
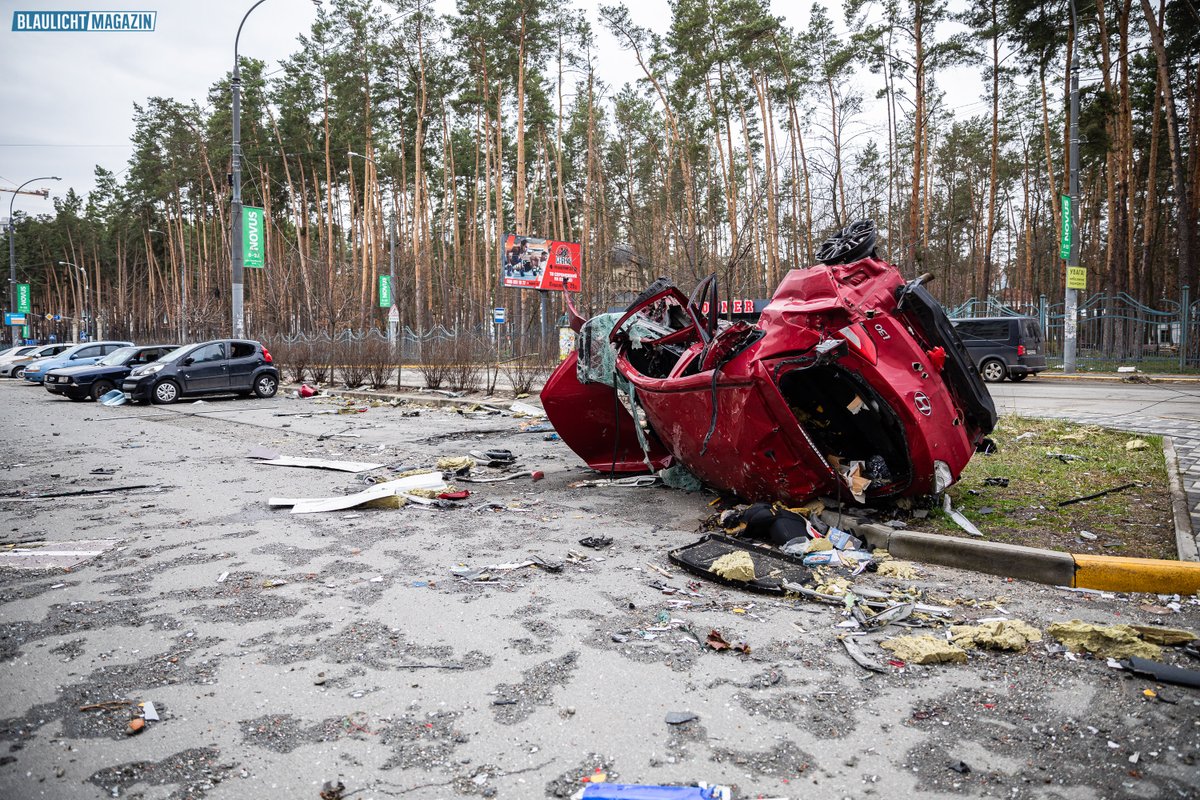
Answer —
254 242
1068 232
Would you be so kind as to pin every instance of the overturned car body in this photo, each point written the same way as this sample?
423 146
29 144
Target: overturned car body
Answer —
852 383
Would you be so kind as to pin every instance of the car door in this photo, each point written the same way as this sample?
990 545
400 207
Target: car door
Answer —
243 359
85 355
207 370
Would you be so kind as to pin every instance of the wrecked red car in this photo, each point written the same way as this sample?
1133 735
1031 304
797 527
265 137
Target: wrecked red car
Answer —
852 384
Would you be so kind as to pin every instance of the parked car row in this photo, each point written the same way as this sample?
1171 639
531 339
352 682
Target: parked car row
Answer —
159 373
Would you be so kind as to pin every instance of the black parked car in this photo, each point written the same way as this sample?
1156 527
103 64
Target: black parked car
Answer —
225 366
95 380
1003 347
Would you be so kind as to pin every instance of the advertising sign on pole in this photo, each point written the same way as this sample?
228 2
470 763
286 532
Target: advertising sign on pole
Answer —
385 291
254 242
23 298
530 263
1064 249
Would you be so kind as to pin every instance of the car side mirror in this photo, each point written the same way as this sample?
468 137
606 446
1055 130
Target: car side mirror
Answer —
187 362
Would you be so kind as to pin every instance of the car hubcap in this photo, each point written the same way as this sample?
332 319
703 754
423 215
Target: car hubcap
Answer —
265 385
166 392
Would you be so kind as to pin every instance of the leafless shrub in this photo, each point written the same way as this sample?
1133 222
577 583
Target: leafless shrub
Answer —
352 363
435 361
466 363
380 363
321 354
523 373
292 359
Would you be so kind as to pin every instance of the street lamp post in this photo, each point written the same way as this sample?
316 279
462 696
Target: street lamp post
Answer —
235 238
87 288
12 248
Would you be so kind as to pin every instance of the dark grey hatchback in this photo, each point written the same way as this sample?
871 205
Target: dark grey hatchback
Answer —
224 366
1003 347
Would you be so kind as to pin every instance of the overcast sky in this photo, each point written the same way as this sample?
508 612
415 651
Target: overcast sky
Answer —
66 99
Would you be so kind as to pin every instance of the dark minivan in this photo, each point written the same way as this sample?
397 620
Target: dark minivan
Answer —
1003 347
225 366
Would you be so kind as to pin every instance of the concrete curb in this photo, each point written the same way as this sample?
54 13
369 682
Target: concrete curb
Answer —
1121 574
1107 378
1185 537
992 558
1108 573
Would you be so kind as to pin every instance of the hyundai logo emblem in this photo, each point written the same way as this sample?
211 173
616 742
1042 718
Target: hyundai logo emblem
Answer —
921 401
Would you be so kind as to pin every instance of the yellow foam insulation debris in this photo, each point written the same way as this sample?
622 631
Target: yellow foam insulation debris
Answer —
880 555
455 464
924 650
806 510
827 584
1137 444
410 472
390 501
1105 641
736 566
1168 637
429 494
817 545
998 634
898 569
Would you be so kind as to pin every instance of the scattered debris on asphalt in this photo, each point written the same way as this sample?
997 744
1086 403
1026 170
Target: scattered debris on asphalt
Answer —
924 650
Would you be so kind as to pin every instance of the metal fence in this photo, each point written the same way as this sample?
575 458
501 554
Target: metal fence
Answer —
1114 330
411 344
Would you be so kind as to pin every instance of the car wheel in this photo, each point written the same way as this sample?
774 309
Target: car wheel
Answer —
1018 378
265 386
19 372
101 388
993 370
166 392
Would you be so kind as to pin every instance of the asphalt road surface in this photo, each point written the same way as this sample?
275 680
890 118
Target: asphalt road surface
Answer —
282 650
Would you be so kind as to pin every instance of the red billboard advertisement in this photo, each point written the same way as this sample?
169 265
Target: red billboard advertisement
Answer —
530 263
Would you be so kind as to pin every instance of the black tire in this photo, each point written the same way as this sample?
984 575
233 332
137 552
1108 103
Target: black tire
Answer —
101 388
265 385
1018 378
165 392
19 372
993 370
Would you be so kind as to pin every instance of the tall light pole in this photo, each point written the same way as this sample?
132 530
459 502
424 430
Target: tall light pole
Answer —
12 247
1071 300
235 216
391 255
83 312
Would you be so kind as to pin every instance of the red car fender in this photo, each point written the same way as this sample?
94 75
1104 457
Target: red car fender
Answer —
591 422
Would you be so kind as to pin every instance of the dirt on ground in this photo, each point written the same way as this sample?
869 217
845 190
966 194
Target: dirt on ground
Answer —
282 651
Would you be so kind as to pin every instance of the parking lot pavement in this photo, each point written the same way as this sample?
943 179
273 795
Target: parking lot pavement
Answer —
1164 410
284 650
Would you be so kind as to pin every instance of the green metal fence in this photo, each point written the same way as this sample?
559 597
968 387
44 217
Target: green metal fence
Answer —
1114 330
